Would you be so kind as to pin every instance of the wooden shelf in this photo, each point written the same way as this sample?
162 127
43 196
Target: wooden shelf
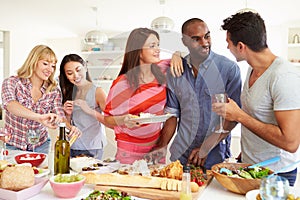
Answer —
294 45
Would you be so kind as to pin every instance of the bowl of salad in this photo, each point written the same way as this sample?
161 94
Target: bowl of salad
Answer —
67 185
238 178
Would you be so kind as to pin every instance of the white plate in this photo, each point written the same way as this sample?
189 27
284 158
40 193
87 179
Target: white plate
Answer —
77 164
25 193
43 173
251 195
152 119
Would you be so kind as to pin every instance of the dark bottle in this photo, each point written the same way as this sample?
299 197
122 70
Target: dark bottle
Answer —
62 152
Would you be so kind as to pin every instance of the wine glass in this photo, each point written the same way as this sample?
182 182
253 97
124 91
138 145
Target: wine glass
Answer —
33 137
274 188
4 137
220 98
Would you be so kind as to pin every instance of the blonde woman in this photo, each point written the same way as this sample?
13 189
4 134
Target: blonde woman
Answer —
32 101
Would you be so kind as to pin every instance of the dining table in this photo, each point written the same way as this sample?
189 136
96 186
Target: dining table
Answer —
213 189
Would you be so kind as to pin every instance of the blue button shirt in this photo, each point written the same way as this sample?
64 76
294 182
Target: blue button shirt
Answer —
190 99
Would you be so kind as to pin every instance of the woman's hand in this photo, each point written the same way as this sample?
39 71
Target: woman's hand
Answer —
74 132
176 66
129 121
68 107
49 120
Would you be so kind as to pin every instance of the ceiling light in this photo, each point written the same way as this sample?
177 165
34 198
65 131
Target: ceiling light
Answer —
162 24
246 9
95 37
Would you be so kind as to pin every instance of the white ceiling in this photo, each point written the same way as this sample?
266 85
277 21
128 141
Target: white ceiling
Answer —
73 18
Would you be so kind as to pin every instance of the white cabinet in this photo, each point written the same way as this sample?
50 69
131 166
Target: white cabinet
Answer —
103 66
104 62
294 45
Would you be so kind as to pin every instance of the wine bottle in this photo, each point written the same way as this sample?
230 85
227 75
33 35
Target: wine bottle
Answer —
186 193
62 152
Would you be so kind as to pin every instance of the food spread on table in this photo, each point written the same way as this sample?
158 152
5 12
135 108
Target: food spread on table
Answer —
145 180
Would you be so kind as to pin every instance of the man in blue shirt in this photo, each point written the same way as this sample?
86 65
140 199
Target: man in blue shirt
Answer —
190 98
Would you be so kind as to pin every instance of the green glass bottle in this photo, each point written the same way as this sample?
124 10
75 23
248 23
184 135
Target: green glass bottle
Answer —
62 152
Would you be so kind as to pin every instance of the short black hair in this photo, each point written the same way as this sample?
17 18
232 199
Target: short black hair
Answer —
188 22
247 27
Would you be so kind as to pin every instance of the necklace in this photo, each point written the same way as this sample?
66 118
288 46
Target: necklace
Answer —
144 80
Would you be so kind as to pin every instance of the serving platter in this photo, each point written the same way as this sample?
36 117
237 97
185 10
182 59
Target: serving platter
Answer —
25 193
152 119
155 194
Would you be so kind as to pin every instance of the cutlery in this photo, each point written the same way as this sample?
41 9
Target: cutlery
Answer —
260 164
284 168
266 162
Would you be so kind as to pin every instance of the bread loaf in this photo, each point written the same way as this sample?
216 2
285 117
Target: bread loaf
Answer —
114 179
17 178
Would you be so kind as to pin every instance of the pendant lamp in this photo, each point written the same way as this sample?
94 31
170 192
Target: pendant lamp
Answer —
246 9
162 24
95 37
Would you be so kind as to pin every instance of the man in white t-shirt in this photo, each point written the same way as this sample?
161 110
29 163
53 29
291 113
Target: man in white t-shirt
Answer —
270 113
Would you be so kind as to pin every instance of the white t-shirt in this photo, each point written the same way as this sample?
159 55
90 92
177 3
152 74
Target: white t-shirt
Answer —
276 89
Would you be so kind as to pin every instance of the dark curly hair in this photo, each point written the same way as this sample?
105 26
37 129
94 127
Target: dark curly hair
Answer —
248 28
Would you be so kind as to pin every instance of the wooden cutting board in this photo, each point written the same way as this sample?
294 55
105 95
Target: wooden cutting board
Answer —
154 194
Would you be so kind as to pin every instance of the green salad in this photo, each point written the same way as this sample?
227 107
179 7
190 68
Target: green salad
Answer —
248 173
110 194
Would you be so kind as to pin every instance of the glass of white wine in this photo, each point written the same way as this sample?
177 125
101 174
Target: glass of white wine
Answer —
220 98
274 188
33 137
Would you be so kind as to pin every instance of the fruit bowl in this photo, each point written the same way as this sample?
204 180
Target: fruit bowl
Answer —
35 159
67 185
234 184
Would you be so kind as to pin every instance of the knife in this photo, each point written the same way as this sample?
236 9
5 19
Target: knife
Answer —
266 162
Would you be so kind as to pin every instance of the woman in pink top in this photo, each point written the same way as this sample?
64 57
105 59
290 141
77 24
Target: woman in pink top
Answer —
139 88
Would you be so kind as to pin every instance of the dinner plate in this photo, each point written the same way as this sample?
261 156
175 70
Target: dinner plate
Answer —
152 119
251 195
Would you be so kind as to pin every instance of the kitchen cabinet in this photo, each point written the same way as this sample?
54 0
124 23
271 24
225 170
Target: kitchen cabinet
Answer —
294 45
104 61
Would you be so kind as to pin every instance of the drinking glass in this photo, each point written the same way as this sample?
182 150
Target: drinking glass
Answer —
220 98
33 137
274 188
4 138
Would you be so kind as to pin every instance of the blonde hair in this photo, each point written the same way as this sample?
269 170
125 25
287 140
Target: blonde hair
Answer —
39 52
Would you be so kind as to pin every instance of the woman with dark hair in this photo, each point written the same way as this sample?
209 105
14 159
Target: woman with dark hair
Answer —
139 88
83 104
